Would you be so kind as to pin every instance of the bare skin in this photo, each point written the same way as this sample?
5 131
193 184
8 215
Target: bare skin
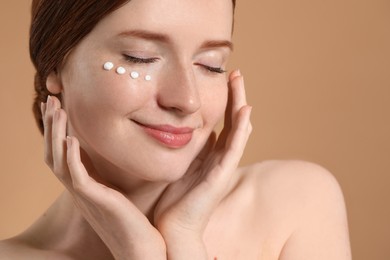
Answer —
254 221
188 202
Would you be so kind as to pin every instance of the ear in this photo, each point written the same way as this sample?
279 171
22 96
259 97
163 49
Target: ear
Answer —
53 83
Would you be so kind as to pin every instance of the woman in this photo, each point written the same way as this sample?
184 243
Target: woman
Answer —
128 95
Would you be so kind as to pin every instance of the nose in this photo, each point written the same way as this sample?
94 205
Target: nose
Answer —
179 91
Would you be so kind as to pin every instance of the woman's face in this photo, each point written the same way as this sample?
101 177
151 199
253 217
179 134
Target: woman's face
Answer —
151 130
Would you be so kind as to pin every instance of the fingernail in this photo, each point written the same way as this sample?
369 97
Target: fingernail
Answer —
239 72
68 141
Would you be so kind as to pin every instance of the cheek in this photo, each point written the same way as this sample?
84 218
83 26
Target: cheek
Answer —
107 89
214 103
95 97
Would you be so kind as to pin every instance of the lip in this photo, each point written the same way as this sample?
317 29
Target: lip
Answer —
170 136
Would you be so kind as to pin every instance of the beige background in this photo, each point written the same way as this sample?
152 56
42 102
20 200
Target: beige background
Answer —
317 74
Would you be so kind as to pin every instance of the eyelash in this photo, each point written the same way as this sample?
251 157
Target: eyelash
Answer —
214 69
152 60
140 60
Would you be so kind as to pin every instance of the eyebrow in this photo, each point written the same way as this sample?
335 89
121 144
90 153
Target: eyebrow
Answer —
147 35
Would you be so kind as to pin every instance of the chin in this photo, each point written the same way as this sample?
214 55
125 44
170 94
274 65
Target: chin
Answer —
167 172
171 178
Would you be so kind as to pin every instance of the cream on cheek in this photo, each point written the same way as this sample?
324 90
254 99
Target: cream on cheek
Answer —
121 87
121 70
101 93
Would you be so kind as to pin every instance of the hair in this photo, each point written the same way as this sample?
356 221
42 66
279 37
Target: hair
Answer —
56 28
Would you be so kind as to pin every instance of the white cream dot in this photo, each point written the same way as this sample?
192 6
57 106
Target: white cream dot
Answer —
108 65
121 70
148 77
134 74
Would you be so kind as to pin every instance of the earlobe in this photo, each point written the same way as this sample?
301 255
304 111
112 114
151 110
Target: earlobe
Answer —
53 83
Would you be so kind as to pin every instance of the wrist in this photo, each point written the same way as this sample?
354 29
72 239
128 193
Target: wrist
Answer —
141 252
185 247
140 248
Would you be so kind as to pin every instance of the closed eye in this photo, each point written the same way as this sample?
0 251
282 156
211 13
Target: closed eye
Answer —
215 69
212 69
138 60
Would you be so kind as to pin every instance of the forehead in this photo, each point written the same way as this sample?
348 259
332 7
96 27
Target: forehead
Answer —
183 19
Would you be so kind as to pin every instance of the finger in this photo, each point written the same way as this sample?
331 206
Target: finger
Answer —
86 189
238 95
203 154
237 139
236 100
58 145
82 183
43 110
235 145
49 109
228 112
234 74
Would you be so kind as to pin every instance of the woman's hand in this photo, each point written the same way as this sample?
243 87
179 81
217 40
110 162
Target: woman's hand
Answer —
186 206
122 227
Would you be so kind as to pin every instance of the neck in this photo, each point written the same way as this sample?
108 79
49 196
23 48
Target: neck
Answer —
145 197
142 193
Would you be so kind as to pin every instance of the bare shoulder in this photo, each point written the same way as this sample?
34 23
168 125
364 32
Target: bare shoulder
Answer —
12 249
281 182
291 177
16 248
272 171
299 189
301 204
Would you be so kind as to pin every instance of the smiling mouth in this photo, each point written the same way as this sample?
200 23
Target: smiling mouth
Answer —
170 136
